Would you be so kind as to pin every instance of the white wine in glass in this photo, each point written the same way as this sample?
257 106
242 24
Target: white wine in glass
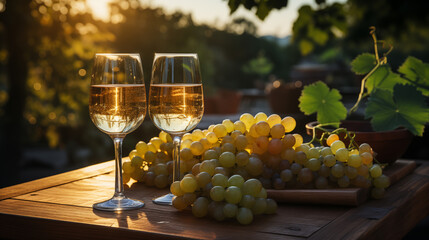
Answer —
117 106
176 102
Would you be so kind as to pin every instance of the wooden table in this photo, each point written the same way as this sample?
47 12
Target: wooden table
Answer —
60 207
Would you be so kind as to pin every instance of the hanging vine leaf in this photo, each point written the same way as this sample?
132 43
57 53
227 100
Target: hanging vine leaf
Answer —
417 72
318 98
363 63
383 78
404 107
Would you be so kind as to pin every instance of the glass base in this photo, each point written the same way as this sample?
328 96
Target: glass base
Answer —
118 204
167 199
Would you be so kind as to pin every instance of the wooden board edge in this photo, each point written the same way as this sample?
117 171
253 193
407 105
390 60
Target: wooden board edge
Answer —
56 180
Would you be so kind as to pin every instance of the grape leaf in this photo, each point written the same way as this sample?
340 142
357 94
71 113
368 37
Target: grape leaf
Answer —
383 78
363 63
318 98
405 107
417 72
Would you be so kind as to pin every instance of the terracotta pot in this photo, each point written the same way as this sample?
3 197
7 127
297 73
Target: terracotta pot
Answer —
284 99
389 145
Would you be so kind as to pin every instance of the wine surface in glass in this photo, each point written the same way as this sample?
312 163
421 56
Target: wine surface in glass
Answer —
176 108
117 108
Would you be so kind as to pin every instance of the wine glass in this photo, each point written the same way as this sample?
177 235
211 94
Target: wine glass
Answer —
117 106
176 103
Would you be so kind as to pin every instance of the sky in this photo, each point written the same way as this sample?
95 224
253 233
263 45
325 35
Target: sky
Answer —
216 13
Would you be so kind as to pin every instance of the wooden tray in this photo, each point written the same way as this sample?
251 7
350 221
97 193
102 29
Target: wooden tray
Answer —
340 196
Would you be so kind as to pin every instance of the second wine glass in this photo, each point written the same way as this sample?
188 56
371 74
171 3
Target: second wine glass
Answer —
176 103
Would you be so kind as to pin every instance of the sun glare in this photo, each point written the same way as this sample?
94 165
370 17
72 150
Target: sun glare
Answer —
99 9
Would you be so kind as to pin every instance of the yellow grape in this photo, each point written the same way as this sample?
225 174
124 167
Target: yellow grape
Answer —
332 138
274 119
211 137
197 148
354 151
289 141
197 134
289 123
185 143
141 148
260 116
156 141
241 142
240 126
133 153
366 158
206 143
262 128
247 119
165 137
277 131
220 130
187 136
186 154
342 154
354 160
253 132
235 134
337 145
365 147
298 140
229 125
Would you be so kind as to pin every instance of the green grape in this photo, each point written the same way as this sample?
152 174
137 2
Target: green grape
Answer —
321 182
313 164
289 123
200 207
303 148
247 201
247 119
375 171
324 171
263 193
196 135
127 167
300 157
242 158
235 133
197 148
382 182
222 170
241 142
240 126
289 141
160 168
288 154
305 175
244 216
210 154
140 175
326 151
271 206
260 206
217 193
215 162
149 156
313 153
275 146
354 160
343 181
337 170
203 178
286 175
337 145
227 139
219 180
189 198
233 195
186 143
377 193
277 131
141 148
186 154
235 180
125 178
260 116
227 159
218 212
251 187
220 130
365 147
191 175
137 161
363 170
342 154
188 185
350 172
230 210
295 168
229 125
179 203
211 137
207 166
161 181
228 147
175 189
262 128
133 153
255 166
274 119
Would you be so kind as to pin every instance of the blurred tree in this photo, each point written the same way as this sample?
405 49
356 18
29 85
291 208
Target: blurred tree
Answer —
263 7
259 66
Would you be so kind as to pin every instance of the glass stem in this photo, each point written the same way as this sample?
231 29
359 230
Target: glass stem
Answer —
177 139
119 187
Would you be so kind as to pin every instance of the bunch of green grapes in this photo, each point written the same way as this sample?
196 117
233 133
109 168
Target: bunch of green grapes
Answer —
221 197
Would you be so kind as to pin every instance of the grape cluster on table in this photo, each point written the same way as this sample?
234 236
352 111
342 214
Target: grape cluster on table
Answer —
227 168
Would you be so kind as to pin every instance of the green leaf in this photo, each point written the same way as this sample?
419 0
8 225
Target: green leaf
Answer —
262 11
318 98
233 5
404 107
305 46
383 78
363 63
417 72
